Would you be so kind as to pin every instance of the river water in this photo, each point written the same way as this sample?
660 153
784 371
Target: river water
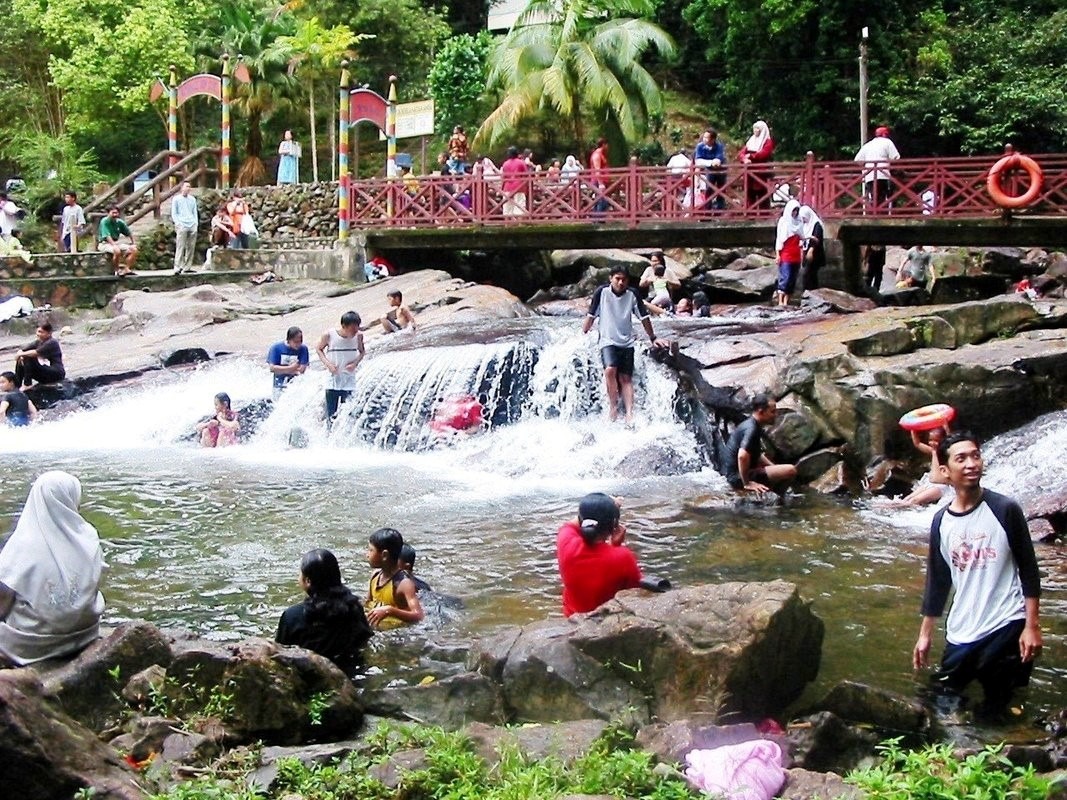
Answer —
211 540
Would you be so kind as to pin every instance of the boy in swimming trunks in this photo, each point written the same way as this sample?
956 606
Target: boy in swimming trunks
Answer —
399 316
392 599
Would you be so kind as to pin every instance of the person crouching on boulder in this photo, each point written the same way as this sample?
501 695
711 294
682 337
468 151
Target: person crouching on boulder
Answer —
220 430
747 468
594 564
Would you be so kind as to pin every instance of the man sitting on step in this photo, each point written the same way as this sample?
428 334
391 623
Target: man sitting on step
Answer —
112 229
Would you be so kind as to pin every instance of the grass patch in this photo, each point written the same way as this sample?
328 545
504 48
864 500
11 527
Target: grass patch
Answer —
935 773
454 771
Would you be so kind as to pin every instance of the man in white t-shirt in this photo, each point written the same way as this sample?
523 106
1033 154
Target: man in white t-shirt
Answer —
980 549
876 155
613 307
9 216
72 223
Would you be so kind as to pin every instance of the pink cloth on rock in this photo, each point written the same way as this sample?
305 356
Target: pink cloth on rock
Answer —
746 771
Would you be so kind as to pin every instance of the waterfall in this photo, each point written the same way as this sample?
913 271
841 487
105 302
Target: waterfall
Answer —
541 391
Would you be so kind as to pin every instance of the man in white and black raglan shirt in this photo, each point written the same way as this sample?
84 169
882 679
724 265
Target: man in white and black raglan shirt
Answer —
613 308
980 546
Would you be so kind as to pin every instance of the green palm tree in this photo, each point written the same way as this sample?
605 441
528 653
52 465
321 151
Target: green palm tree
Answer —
312 53
578 58
249 31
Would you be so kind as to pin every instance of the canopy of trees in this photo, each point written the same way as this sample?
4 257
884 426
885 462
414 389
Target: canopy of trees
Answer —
949 77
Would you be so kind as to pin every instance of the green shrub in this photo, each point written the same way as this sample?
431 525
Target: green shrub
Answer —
935 773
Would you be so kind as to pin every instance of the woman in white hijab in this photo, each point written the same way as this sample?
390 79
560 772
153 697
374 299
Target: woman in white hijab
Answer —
50 601
570 171
814 253
788 245
758 150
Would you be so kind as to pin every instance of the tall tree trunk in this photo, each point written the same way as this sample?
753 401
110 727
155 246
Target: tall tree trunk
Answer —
314 140
333 141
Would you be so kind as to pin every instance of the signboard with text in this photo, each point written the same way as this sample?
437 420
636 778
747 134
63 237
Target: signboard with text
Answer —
413 119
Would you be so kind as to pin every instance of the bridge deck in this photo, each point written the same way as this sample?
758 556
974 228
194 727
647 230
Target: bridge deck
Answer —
732 201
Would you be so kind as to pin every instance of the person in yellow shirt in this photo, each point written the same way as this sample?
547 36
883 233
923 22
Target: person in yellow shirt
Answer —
392 597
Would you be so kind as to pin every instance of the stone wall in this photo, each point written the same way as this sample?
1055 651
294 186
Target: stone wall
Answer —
52 265
336 264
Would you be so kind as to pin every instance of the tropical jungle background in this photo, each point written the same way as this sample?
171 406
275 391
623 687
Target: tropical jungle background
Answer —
950 77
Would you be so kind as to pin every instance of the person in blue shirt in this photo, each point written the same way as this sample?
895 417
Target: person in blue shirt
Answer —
710 154
186 217
288 359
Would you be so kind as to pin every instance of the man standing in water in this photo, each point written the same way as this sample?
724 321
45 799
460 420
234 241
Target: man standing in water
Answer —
340 351
613 307
980 547
747 468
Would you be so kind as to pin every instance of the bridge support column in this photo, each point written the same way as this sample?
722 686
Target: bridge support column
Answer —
853 268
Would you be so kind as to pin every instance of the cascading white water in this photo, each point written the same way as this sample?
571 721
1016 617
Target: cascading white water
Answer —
543 400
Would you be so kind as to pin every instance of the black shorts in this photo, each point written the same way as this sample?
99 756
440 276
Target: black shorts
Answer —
993 661
622 358
758 474
334 399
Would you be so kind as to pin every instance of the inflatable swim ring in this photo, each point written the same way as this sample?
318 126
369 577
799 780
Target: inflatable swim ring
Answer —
928 417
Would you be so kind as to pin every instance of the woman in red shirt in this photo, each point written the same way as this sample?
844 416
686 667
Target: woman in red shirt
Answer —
758 150
593 562
788 246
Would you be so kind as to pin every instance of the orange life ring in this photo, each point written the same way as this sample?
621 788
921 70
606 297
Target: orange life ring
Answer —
1010 162
929 417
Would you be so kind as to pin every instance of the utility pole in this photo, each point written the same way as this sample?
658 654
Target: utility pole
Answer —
864 122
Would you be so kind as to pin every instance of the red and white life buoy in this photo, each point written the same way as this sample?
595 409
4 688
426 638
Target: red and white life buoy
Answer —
1014 162
929 417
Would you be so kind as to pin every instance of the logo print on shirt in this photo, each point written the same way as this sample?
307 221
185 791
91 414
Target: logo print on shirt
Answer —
968 552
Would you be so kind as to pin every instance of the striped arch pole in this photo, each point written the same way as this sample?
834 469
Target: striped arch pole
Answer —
390 136
224 166
342 154
172 120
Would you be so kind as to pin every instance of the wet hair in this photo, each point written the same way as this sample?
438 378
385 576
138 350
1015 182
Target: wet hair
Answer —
292 333
8 376
700 299
224 398
395 293
619 269
598 516
350 318
407 554
761 401
660 269
45 326
952 439
329 601
322 571
387 540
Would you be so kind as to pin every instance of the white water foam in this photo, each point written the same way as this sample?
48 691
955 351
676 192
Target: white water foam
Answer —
546 403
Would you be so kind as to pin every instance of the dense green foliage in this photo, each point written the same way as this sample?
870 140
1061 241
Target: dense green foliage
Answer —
457 81
936 773
949 77
454 771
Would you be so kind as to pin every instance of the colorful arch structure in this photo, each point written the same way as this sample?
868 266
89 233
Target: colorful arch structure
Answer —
201 85
355 106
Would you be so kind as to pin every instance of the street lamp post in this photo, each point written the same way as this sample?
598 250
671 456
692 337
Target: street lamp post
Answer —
864 122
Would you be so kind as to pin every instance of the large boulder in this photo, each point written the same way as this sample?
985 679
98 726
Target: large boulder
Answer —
44 754
89 686
745 285
261 690
450 703
739 650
